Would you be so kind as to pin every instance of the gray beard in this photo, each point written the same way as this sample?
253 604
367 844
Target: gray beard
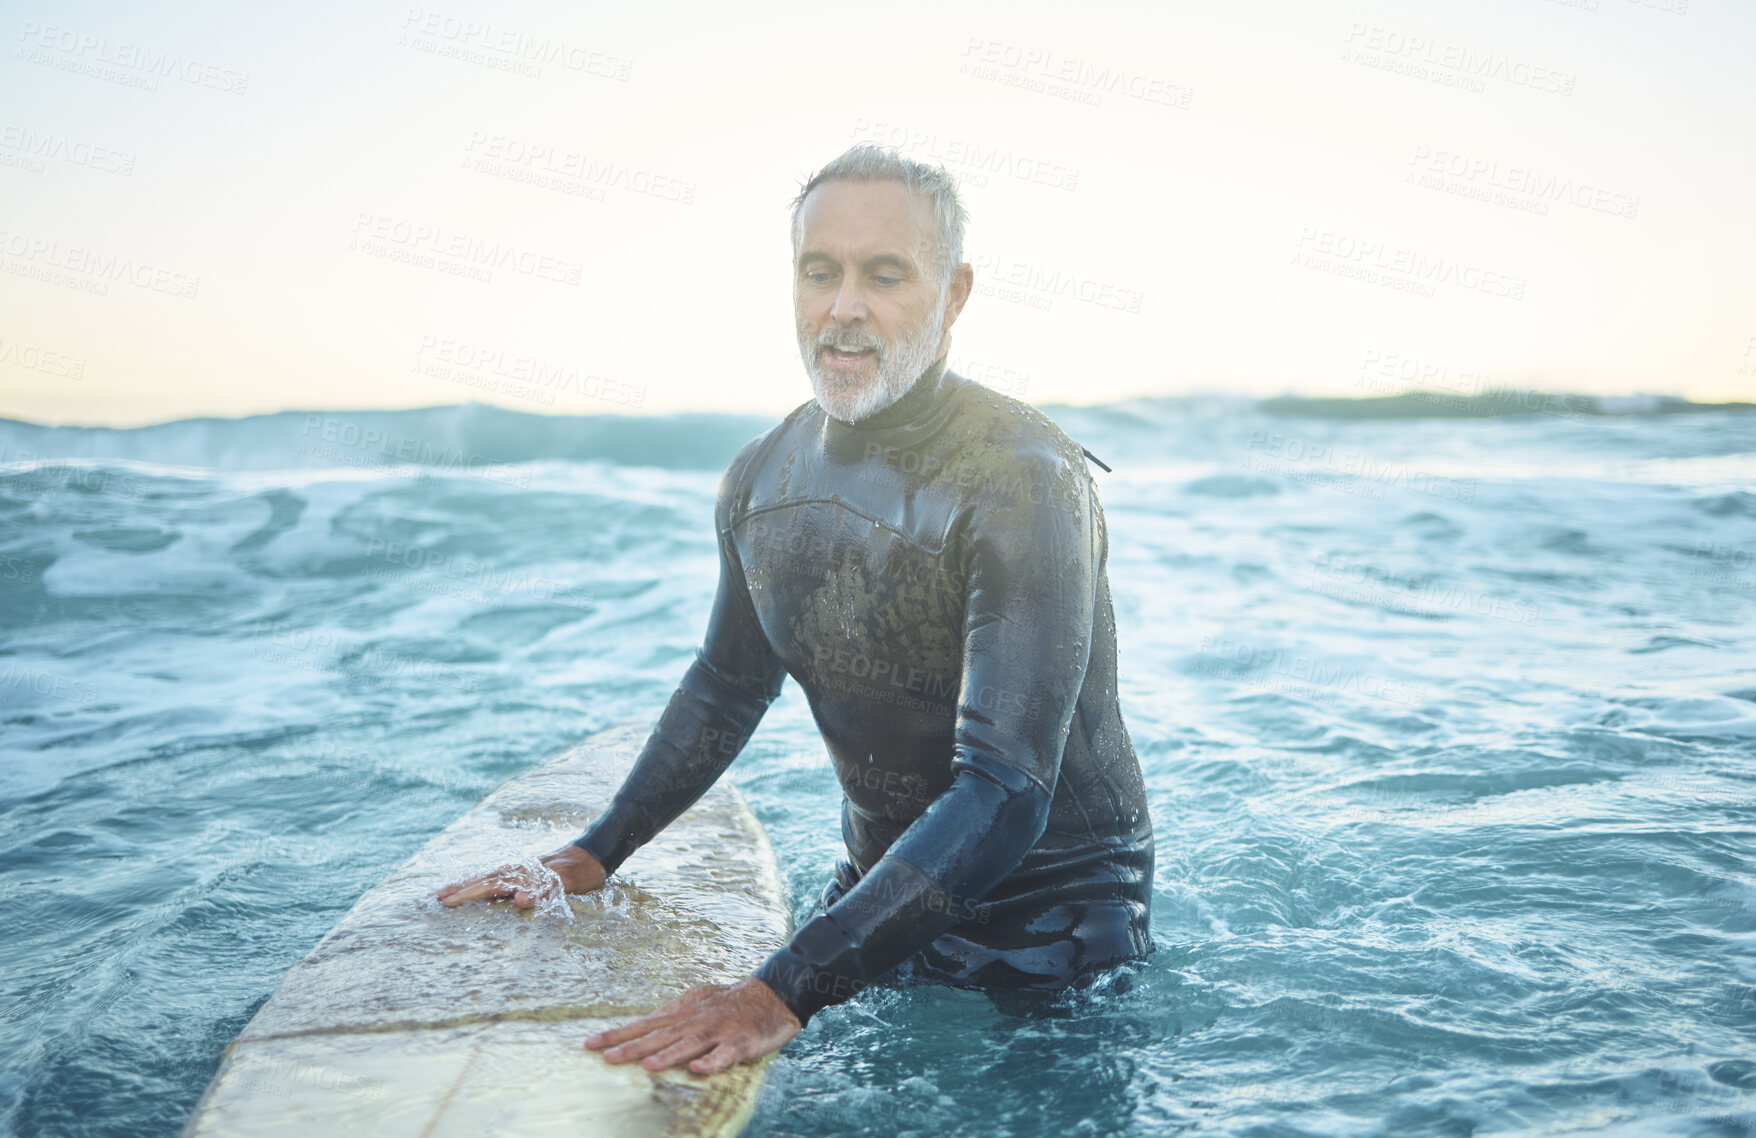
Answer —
850 398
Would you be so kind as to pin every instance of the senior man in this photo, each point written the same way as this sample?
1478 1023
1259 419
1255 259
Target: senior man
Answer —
926 558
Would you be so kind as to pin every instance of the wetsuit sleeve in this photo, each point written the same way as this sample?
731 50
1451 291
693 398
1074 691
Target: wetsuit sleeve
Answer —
711 715
1033 562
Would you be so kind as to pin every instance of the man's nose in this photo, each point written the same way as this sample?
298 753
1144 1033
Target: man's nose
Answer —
850 303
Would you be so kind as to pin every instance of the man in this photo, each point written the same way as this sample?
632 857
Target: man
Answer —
926 558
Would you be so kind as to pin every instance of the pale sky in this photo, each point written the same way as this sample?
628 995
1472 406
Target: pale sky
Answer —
224 209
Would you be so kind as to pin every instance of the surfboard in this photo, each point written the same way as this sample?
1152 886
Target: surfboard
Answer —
413 1019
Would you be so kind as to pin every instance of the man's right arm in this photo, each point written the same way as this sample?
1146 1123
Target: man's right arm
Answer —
711 715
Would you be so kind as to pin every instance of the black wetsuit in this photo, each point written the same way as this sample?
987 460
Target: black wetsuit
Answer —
934 579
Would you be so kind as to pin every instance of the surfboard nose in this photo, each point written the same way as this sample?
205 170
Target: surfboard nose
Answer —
413 1017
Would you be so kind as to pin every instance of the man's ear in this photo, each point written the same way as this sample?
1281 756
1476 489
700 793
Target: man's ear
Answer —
963 280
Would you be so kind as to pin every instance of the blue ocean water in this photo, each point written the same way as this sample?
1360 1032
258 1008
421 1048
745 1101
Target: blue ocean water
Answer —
1448 722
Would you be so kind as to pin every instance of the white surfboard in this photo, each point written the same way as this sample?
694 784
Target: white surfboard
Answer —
413 1019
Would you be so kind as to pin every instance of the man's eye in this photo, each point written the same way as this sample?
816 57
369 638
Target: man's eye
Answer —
888 281
817 277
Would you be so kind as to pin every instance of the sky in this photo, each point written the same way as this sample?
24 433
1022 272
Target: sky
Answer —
228 209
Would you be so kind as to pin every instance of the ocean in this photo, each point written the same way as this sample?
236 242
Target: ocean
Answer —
1447 711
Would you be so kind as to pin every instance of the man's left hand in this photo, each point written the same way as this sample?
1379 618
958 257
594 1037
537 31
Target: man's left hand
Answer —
710 1027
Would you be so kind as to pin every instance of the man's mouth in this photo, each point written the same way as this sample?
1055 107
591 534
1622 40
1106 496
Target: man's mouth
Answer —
846 361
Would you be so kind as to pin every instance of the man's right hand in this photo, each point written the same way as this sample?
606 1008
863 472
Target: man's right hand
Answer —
578 870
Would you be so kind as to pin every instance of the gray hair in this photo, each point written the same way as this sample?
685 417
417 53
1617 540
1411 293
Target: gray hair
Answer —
868 162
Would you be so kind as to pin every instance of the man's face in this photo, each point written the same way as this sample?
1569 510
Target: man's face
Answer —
867 279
